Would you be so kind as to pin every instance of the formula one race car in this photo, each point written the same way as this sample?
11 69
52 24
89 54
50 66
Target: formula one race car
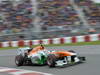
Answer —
40 56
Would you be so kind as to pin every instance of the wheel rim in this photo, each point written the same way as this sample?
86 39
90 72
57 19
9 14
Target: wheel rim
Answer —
16 61
48 62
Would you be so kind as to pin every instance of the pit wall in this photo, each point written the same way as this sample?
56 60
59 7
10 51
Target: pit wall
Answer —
63 40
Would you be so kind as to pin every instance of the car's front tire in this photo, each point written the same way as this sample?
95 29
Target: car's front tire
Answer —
51 59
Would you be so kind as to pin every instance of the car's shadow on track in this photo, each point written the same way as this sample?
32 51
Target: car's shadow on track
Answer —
65 66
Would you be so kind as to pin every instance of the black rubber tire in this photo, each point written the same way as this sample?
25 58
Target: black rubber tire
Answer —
51 59
19 60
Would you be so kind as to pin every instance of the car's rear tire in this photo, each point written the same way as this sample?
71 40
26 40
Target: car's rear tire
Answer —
19 60
51 59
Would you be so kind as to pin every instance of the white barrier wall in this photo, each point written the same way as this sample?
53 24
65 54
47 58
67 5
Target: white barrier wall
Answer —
74 39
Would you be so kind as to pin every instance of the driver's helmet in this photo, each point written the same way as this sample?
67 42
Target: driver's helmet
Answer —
42 47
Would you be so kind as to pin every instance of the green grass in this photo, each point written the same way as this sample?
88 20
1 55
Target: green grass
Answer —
7 48
98 4
70 44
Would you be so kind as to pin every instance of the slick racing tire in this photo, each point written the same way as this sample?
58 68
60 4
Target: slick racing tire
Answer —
51 59
19 60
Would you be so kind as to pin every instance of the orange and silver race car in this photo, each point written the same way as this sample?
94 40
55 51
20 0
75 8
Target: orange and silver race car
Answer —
40 55
61 58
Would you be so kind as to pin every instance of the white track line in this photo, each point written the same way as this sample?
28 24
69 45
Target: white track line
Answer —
4 69
14 71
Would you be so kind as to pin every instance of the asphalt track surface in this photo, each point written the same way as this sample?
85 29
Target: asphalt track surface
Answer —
90 67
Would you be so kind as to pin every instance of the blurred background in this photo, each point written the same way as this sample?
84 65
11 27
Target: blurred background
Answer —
42 19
